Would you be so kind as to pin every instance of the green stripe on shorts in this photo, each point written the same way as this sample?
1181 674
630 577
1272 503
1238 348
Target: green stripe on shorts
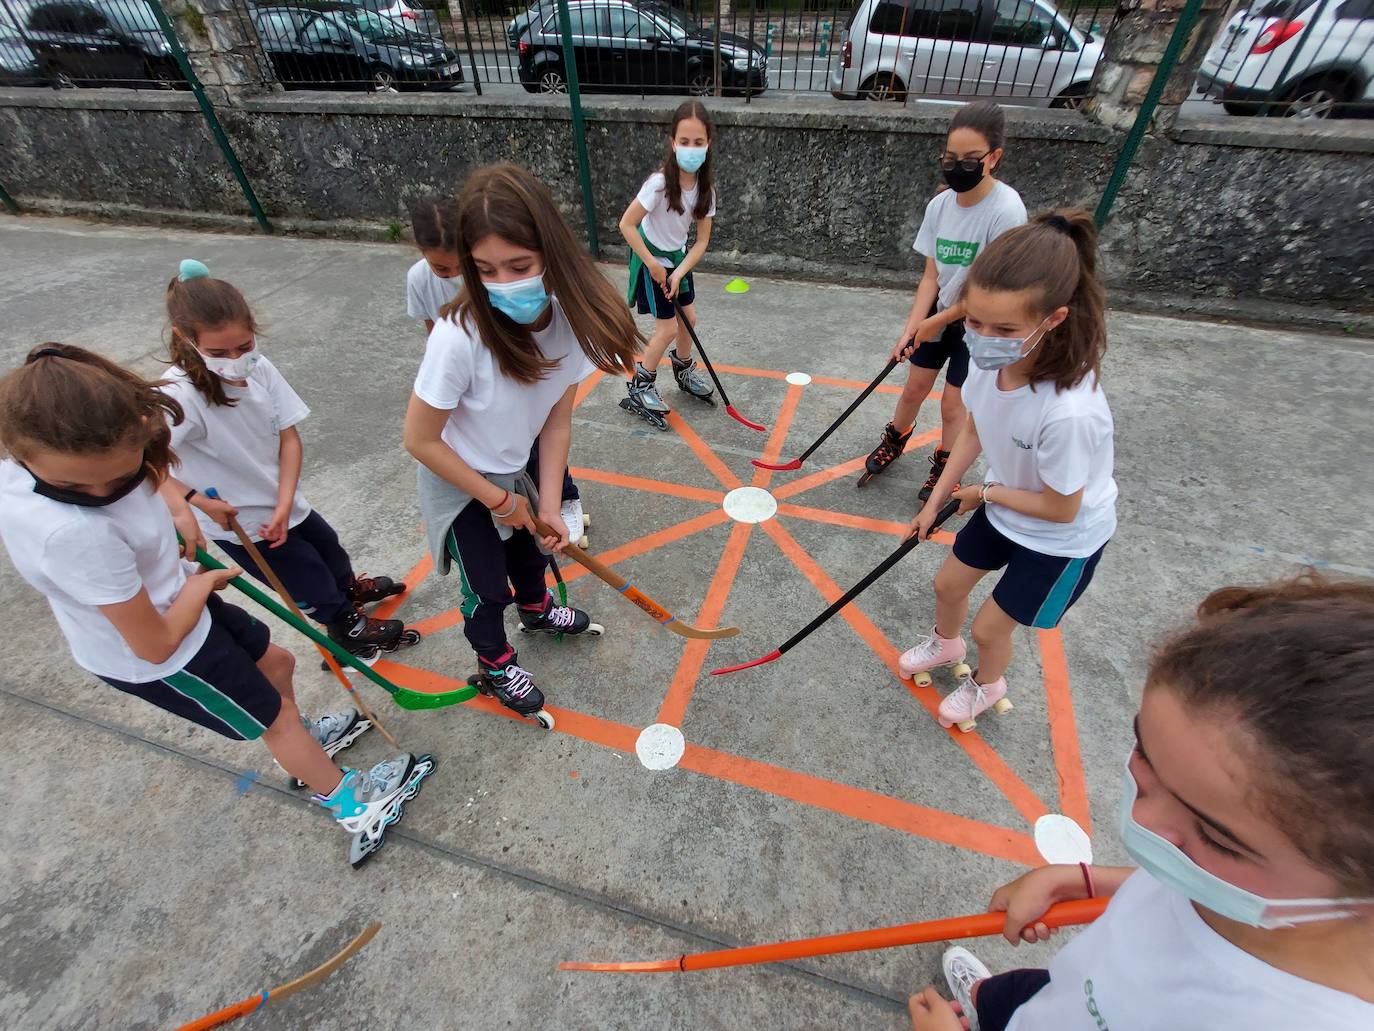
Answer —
470 598
216 703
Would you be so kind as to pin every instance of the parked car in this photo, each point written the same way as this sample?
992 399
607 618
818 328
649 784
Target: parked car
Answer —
18 63
517 25
632 44
417 18
342 48
1025 50
1301 58
97 42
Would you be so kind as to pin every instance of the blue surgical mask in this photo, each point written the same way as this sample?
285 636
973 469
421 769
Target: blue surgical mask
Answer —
1168 865
990 353
523 301
689 159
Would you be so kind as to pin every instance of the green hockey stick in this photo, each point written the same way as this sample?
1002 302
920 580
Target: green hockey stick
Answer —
402 696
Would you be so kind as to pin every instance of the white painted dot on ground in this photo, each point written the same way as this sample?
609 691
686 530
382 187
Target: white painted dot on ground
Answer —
797 379
660 746
1060 840
750 505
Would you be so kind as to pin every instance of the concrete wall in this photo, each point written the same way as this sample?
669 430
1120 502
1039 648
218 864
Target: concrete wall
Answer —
1233 216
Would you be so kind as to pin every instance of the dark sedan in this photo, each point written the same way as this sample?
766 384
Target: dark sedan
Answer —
634 45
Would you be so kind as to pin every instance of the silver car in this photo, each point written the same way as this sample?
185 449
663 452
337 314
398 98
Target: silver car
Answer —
1024 50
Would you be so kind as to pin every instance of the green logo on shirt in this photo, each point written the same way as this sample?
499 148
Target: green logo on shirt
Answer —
1092 1006
955 252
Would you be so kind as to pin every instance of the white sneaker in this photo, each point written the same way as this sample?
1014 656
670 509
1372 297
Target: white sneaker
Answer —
571 511
962 971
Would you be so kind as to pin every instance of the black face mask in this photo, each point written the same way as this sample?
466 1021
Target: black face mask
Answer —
961 180
76 497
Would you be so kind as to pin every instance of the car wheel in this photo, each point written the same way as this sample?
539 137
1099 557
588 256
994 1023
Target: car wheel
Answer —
883 86
1072 97
551 81
59 78
1315 98
383 79
700 82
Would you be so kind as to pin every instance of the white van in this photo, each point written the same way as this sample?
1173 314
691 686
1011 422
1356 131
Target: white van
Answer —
1023 50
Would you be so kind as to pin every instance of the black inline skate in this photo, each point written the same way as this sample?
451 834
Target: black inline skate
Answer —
644 399
557 619
366 637
889 449
364 590
513 687
937 468
689 380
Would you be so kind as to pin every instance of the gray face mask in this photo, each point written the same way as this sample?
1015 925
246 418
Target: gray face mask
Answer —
989 353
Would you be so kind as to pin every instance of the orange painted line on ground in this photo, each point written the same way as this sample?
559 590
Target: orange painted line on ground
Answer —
984 757
672 490
1068 760
417 573
587 386
778 436
674 706
854 522
805 789
835 472
572 571
434 624
703 452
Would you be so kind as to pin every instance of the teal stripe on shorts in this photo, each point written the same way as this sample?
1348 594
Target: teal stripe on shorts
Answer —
1056 603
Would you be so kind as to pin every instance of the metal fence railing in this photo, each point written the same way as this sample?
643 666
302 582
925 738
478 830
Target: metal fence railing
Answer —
1303 58
85 43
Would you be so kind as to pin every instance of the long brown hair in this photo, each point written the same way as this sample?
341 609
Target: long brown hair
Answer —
509 202
1055 255
74 402
434 223
706 176
198 304
1291 665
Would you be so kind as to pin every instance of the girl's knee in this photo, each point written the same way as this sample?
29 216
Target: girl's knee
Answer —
948 587
277 664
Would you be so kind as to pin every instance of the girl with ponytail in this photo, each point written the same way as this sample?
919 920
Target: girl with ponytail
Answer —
1036 333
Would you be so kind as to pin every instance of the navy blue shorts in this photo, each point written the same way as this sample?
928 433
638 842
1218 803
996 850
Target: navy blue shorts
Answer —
312 565
221 687
949 348
649 299
1001 995
1036 590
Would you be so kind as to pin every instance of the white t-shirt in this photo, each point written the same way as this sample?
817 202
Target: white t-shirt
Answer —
664 228
81 558
953 234
426 293
493 420
1061 439
237 448
1150 963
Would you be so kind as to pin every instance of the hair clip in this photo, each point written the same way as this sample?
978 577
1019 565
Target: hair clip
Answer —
192 269
1059 222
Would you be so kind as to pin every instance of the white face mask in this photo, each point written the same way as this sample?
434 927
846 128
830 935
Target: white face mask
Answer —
232 368
1167 863
989 353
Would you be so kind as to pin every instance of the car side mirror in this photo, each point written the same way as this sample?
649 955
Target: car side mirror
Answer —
653 41
1089 38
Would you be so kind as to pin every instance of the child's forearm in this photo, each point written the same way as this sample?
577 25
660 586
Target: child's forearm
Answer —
695 254
1046 505
291 455
173 493
443 461
965 452
630 230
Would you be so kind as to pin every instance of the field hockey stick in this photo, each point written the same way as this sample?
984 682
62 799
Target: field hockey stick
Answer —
882 567
796 462
982 925
402 696
282 593
256 1002
729 408
632 593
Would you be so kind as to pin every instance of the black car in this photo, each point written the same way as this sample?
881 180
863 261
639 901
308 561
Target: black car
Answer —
351 47
97 42
632 44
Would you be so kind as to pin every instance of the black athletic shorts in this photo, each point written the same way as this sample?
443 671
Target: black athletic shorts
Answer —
949 348
649 299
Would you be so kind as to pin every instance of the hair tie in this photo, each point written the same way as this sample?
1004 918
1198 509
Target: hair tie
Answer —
44 352
1061 223
192 269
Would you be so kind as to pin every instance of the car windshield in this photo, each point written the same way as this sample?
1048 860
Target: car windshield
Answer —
377 29
679 22
131 16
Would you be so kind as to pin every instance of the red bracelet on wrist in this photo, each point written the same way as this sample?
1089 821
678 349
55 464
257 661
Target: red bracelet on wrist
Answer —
505 496
1088 879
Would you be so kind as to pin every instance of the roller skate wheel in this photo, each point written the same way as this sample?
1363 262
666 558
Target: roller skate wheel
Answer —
922 679
586 520
1002 706
966 725
408 637
583 542
544 718
961 670
595 629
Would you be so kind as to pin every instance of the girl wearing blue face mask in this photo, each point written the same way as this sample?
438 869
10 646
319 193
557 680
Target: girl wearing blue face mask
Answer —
1036 333
240 436
501 367
1248 807
656 225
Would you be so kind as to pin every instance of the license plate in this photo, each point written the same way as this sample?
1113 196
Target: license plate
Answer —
453 68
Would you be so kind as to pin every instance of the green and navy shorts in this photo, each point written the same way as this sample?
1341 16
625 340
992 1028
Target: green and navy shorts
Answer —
1036 590
221 687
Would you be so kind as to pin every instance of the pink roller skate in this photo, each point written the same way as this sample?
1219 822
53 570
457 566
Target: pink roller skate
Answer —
971 699
931 652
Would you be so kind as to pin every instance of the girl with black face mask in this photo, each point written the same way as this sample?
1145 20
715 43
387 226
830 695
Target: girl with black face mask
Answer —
958 223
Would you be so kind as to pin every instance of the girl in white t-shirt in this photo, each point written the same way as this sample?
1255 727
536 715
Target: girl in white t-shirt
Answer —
501 368
89 514
239 436
432 284
1248 805
655 225
1036 334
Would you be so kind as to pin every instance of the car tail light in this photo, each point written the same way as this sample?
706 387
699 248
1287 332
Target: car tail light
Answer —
409 14
524 47
1275 34
846 54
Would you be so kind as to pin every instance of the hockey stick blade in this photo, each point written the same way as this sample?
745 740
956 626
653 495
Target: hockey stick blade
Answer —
776 467
774 654
730 410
